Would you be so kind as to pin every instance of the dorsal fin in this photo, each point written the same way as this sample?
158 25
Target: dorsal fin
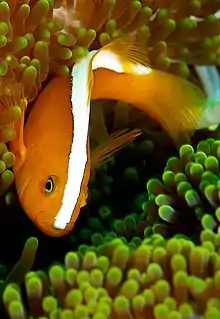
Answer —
123 55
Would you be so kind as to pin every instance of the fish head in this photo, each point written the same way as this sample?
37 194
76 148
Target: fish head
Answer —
40 184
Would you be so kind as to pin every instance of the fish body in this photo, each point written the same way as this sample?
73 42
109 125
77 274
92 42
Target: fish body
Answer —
42 149
120 70
47 135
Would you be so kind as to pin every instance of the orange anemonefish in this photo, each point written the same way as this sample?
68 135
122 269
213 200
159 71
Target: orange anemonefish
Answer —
53 159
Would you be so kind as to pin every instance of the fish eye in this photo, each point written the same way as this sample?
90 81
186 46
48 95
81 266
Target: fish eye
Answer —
49 185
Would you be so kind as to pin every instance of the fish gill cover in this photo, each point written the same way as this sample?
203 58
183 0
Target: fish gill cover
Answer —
144 273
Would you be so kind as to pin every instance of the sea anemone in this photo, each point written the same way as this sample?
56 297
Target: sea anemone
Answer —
174 33
157 280
11 102
38 38
23 266
183 202
187 199
42 37
6 162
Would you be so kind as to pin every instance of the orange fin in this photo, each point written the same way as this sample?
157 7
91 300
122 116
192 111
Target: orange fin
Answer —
18 142
12 94
123 55
113 145
174 102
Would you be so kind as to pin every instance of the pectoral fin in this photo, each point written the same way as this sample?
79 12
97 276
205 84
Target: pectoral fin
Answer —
113 145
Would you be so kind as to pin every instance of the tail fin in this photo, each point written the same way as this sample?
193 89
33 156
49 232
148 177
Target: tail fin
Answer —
211 117
210 79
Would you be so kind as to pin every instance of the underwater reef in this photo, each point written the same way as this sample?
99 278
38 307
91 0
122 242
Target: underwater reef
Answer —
146 245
